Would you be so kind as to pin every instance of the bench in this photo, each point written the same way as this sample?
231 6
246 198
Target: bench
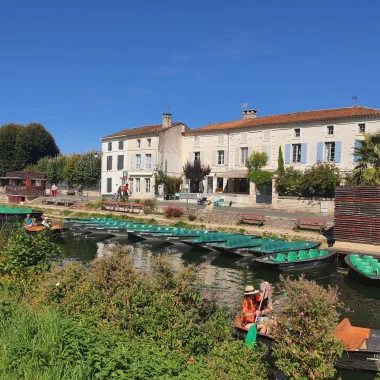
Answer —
353 337
252 219
122 206
311 224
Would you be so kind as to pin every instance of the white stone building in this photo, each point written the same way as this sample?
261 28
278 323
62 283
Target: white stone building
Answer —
306 138
132 155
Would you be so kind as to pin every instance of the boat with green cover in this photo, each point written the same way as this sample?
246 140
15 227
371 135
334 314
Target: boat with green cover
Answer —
363 268
13 212
303 259
175 235
205 242
280 246
240 245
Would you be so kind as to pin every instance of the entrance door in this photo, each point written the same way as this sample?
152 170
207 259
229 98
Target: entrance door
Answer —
210 185
264 194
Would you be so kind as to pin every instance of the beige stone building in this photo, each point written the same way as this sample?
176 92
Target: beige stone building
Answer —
306 138
132 155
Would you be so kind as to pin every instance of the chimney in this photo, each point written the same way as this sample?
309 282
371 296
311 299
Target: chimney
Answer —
249 114
166 120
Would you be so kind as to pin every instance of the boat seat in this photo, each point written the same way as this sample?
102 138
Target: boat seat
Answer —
280 258
292 256
323 252
367 257
303 255
313 254
354 337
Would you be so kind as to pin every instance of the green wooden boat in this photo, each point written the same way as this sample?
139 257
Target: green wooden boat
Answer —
12 212
280 246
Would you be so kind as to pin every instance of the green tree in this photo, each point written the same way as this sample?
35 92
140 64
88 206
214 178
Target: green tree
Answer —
88 168
69 171
289 182
8 135
53 167
367 170
256 161
280 162
306 346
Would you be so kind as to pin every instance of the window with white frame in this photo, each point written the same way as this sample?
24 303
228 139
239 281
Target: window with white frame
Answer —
121 145
110 146
138 143
109 185
220 157
297 132
220 139
137 185
330 130
361 127
197 156
138 161
330 151
296 154
147 185
149 142
243 155
148 161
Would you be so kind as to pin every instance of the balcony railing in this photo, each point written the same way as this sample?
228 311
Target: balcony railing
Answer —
24 191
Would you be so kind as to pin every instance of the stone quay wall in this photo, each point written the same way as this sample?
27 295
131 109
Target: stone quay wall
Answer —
304 205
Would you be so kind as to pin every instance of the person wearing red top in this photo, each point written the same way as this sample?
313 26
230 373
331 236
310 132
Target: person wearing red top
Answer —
249 309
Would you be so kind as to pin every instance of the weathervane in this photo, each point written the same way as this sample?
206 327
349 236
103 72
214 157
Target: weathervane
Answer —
355 97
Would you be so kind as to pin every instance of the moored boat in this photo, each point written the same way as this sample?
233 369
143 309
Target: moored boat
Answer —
12 212
363 268
53 230
280 246
362 345
296 260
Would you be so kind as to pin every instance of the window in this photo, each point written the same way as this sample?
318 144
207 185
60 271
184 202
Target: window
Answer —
109 163
137 189
243 138
120 162
138 143
266 136
219 183
109 185
220 139
131 185
197 156
147 185
220 157
138 161
110 146
297 132
330 130
330 151
244 155
148 162
149 142
361 128
296 153
38 182
121 145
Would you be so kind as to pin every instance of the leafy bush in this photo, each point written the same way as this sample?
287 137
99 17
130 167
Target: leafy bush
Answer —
192 217
306 346
171 212
256 161
150 205
260 177
316 182
22 254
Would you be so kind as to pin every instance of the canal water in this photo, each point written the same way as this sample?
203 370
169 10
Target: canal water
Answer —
230 275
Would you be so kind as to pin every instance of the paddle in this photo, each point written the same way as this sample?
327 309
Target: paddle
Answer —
251 337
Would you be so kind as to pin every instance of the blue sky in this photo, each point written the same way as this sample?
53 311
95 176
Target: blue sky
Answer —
89 68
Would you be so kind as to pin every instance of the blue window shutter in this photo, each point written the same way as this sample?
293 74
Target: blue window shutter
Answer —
356 146
303 153
132 161
142 161
152 161
287 154
338 151
320 152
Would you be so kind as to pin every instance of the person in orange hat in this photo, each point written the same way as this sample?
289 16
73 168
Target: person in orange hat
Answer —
249 305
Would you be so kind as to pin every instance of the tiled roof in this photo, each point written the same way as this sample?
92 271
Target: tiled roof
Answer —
146 130
289 118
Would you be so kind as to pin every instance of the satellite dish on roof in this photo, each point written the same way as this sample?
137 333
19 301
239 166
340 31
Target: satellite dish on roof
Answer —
244 106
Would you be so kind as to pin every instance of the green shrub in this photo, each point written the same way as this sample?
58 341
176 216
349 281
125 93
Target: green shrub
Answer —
192 217
306 346
150 206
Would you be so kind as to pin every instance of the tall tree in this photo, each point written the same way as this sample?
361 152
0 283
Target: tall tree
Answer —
8 136
88 168
195 172
280 162
367 170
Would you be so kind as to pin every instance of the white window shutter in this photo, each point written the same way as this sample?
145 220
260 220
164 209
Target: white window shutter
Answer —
237 156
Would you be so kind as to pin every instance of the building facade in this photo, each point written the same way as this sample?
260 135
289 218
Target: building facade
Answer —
132 155
306 138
